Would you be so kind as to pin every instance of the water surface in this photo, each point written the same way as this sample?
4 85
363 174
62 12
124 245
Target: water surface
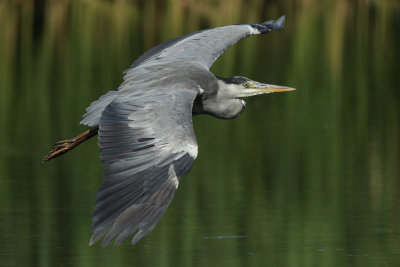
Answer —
307 178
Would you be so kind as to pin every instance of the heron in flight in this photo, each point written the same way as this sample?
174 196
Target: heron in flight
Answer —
145 130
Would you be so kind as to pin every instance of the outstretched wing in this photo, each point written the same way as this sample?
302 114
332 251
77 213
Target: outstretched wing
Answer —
147 142
200 48
205 46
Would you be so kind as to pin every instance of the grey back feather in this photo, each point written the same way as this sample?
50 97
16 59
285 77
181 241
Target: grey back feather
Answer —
93 112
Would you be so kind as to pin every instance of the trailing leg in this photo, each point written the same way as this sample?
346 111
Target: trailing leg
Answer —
66 145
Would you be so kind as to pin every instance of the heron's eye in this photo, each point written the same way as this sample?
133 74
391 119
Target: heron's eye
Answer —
246 85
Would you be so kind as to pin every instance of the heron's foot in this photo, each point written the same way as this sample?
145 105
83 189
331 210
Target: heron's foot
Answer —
60 148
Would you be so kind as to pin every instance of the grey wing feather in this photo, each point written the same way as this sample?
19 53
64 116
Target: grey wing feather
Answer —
157 49
93 112
205 46
146 143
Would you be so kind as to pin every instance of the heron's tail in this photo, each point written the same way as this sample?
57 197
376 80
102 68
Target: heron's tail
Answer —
64 146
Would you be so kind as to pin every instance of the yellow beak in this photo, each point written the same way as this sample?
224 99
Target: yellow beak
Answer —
270 88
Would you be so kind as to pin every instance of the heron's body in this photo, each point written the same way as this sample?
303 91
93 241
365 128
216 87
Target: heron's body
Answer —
145 130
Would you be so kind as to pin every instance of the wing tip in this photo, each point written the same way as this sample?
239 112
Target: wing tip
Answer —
275 24
268 26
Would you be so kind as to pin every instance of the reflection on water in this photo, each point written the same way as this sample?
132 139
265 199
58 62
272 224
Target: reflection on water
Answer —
309 178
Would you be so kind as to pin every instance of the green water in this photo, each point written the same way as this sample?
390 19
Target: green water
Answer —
307 178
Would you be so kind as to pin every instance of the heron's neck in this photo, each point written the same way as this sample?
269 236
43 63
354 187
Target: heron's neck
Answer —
222 103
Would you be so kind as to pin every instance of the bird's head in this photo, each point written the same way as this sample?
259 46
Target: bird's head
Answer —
240 87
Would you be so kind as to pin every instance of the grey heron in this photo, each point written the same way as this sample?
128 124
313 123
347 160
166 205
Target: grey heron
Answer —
145 130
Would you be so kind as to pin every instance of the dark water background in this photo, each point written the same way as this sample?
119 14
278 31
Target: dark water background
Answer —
307 178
